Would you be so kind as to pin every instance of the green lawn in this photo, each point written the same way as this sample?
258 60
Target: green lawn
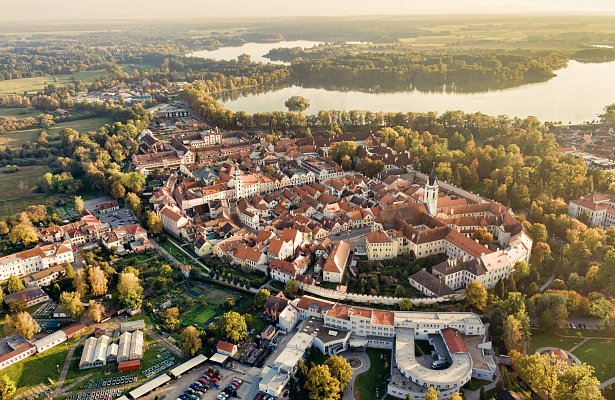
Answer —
547 339
600 354
36 369
198 315
370 385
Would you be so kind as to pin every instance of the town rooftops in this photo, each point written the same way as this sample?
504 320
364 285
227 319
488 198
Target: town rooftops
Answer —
27 294
336 262
431 283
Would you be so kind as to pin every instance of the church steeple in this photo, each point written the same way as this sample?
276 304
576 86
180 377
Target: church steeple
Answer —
430 192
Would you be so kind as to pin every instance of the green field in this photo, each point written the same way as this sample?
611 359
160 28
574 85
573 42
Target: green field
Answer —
36 369
16 139
370 385
600 354
33 85
19 112
547 339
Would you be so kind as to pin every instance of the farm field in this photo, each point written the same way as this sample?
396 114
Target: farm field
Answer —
18 196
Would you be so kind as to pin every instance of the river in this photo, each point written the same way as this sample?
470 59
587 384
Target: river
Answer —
577 94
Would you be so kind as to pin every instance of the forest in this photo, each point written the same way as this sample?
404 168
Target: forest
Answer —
394 68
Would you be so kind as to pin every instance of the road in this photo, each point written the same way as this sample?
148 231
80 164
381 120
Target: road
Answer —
547 283
356 233
365 364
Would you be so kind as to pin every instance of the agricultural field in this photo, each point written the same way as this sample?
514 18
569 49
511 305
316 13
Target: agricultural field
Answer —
18 190
19 112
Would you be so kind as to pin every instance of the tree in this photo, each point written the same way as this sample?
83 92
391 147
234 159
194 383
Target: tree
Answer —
23 232
1 295
71 302
69 271
340 369
538 232
456 396
79 283
21 323
7 388
96 311
513 335
154 224
261 297
190 341
130 290
483 236
541 252
117 190
291 287
98 281
249 318
406 305
321 385
476 295
431 393
602 308
4 228
171 318
14 284
79 206
578 382
229 302
233 326
134 202
344 148
297 103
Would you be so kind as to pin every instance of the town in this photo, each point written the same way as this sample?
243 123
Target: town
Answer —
157 244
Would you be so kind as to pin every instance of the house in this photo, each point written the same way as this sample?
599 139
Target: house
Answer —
129 237
29 296
335 266
274 306
46 276
172 220
108 206
36 259
226 348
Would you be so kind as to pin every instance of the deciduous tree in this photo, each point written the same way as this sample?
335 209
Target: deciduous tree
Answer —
171 318
261 297
14 284
21 323
291 287
154 224
96 311
321 385
130 290
476 295
431 393
233 326
98 281
340 369
7 388
190 341
71 302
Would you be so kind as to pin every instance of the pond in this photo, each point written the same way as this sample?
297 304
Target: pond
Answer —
577 94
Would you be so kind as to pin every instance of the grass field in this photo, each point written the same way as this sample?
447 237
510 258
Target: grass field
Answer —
36 369
198 316
33 85
600 354
16 139
19 112
547 339
370 384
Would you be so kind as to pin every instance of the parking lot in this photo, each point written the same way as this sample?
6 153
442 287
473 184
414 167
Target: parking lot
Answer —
121 217
247 390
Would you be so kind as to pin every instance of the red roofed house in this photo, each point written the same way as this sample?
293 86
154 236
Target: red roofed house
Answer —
333 270
226 348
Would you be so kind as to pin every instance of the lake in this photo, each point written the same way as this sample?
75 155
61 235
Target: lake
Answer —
578 93
255 50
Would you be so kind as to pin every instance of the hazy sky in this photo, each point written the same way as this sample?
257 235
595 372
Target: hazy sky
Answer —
206 9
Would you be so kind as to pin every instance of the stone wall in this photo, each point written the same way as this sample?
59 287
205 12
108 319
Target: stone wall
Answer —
370 299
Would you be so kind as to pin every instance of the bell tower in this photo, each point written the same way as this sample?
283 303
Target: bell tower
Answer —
430 193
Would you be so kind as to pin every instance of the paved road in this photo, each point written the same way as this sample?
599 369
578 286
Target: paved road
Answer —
547 283
365 364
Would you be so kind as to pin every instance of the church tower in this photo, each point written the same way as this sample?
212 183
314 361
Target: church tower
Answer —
237 178
430 192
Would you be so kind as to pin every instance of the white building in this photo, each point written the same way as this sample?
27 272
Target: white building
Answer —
37 259
598 208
